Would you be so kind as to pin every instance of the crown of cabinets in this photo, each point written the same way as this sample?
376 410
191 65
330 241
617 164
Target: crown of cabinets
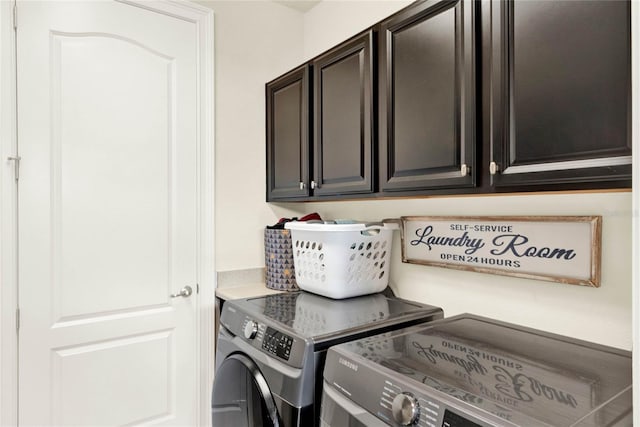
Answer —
451 97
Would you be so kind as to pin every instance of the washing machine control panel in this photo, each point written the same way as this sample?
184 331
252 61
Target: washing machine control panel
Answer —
275 342
264 337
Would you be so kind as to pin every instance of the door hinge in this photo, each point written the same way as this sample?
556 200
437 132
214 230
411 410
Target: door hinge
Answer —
16 165
15 16
17 319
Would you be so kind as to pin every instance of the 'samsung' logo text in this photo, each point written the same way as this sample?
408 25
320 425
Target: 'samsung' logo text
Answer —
349 364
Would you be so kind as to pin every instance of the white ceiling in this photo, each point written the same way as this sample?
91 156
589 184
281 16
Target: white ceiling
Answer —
300 5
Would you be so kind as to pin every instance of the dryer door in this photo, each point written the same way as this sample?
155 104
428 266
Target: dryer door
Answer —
241 395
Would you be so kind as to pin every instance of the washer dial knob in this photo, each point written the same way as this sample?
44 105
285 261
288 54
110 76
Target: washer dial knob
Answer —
250 330
405 409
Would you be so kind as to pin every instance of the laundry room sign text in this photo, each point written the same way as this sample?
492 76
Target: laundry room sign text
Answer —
563 249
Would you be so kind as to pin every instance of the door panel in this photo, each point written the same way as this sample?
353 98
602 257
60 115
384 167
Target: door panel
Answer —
107 215
288 152
427 97
90 141
424 62
83 377
575 87
341 124
559 83
343 118
288 135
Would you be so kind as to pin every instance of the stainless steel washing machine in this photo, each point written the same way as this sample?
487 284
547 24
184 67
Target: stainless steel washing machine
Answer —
469 371
271 352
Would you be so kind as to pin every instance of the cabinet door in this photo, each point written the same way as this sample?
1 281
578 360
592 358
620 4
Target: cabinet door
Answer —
427 97
560 88
288 135
343 118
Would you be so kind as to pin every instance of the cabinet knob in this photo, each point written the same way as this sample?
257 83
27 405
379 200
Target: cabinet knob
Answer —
302 185
464 170
493 168
314 185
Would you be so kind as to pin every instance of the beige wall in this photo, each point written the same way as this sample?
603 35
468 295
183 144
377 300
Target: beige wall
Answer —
597 314
333 21
256 42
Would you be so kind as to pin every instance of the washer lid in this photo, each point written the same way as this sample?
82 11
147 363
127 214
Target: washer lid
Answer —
506 370
324 319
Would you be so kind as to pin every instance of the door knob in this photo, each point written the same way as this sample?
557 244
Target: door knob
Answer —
184 292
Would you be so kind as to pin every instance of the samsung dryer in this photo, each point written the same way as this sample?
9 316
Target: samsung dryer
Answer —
469 371
271 352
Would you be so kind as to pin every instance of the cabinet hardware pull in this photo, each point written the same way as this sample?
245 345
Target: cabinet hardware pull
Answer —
302 185
464 170
314 185
493 168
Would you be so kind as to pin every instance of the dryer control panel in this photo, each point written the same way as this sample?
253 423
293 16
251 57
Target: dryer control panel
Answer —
289 349
275 342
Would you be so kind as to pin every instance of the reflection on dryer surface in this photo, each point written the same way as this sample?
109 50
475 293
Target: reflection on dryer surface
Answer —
522 376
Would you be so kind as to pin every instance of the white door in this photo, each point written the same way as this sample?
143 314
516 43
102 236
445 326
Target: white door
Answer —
107 214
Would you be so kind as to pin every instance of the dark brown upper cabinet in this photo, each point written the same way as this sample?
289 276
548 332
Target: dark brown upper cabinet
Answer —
559 93
427 104
288 135
343 122
459 97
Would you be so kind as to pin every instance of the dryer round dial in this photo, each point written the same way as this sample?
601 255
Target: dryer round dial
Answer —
250 330
405 409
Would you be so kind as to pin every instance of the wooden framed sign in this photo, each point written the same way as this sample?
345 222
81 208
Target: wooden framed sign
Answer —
563 249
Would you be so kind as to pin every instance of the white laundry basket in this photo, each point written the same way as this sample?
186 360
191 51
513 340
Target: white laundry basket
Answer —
341 260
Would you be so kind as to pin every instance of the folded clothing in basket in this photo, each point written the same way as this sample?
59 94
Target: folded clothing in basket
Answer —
282 221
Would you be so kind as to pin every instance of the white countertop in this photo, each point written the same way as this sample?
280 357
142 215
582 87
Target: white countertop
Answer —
245 291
